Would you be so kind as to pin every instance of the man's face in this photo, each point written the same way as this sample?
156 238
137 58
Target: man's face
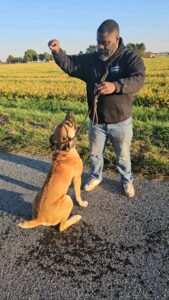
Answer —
107 44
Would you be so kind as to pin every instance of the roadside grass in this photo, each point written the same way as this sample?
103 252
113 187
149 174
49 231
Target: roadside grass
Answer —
26 126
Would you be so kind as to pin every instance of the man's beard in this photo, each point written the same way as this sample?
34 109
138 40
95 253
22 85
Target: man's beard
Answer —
105 55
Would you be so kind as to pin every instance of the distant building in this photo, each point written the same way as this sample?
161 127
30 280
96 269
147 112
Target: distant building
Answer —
152 54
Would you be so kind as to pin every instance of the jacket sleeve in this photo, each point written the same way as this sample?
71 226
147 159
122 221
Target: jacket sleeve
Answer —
70 64
134 79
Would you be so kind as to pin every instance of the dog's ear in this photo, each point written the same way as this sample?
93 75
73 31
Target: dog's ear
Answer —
52 143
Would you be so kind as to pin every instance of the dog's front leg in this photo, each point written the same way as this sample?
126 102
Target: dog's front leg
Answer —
77 185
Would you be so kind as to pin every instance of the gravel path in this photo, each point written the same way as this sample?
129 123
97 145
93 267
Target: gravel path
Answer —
119 250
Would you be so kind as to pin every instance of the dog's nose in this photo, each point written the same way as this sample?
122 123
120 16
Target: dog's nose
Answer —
70 120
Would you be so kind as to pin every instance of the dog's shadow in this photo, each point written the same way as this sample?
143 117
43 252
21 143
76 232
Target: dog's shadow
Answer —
13 204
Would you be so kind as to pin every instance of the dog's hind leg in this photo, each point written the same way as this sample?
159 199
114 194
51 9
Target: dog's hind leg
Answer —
73 220
65 222
32 224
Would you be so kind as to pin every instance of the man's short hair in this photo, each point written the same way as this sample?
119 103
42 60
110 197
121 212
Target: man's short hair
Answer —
108 26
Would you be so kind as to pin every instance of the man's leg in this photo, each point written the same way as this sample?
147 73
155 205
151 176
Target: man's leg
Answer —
97 140
121 135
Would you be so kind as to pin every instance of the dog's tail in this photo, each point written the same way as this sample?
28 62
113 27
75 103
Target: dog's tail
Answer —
31 224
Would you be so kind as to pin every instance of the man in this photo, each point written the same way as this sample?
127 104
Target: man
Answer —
112 118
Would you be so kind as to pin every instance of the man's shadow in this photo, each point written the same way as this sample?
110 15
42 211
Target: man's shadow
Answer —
19 183
13 204
39 165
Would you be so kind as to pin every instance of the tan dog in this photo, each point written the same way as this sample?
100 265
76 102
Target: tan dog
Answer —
52 205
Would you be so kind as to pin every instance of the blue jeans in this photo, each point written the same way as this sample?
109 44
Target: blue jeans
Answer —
120 135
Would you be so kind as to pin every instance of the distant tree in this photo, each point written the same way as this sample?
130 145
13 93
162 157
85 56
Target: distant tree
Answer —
138 48
81 53
91 49
41 56
130 46
30 55
10 59
51 57
47 56
18 59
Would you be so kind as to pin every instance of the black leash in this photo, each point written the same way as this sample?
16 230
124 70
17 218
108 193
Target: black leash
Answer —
96 97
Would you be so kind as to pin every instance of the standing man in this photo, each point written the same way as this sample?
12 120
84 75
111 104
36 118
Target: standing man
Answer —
125 76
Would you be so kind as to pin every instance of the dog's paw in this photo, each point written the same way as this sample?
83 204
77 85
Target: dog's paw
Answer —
83 203
24 224
21 225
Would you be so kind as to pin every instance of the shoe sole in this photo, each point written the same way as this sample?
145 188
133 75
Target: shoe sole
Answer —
93 187
131 197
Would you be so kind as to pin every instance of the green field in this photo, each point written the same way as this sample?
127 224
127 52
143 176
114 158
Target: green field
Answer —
34 97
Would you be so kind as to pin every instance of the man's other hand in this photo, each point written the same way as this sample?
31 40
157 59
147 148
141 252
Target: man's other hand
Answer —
105 88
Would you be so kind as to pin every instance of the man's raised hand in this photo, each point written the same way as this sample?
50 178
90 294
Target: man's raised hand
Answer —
54 46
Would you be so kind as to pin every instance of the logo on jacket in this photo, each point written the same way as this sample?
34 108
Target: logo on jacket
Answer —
114 69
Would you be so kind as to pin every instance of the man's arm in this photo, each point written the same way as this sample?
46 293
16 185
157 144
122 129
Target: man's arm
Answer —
72 65
134 79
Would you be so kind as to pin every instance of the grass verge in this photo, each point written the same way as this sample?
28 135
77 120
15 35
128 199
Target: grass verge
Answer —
27 124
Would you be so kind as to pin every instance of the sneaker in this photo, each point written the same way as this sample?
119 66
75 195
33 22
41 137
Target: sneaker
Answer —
129 190
91 184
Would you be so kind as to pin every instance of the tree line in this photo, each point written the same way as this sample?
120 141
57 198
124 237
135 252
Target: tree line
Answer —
138 48
32 56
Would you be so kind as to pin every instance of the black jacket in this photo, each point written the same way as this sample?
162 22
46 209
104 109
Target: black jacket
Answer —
126 70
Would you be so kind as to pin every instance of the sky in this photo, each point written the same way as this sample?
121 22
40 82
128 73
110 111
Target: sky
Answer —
31 24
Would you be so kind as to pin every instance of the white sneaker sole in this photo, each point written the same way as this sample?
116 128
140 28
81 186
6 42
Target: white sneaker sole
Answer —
90 189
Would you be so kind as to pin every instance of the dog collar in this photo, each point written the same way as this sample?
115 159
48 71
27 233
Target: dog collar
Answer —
64 146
